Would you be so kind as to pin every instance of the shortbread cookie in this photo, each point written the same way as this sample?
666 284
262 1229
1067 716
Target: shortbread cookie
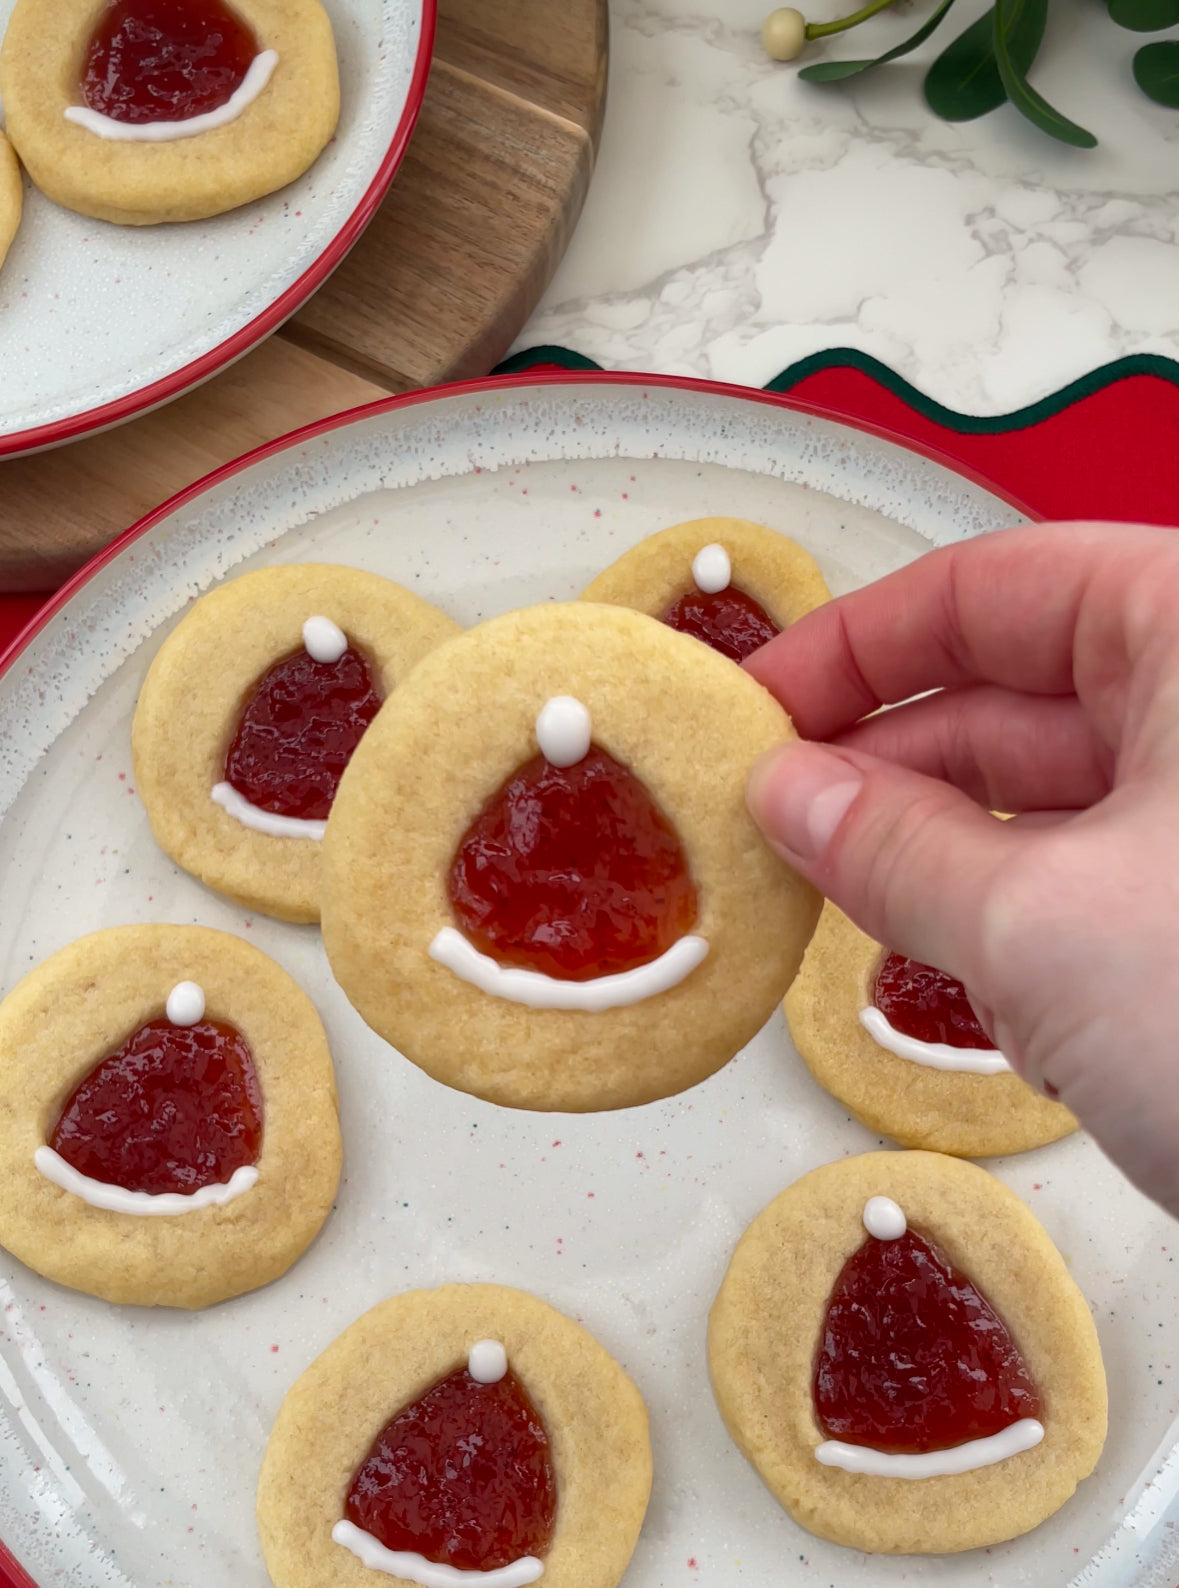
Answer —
726 581
440 1398
111 118
900 1352
168 1129
592 926
910 1084
11 196
202 724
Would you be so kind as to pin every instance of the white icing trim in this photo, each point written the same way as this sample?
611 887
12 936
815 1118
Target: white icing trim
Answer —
237 806
564 731
884 1219
416 1568
538 991
164 1203
186 1004
1023 1435
487 1362
934 1055
323 640
255 80
712 570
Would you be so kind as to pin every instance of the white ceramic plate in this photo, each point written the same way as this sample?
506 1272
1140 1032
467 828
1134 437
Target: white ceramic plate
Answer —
130 1440
101 322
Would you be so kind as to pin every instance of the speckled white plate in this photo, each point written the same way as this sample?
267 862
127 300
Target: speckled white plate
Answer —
100 322
130 1440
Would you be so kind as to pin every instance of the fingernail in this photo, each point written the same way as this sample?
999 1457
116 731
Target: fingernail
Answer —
798 795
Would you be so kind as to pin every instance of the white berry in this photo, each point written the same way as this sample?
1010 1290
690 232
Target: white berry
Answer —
784 34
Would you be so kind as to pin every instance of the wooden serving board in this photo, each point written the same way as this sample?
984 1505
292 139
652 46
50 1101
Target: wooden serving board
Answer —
454 262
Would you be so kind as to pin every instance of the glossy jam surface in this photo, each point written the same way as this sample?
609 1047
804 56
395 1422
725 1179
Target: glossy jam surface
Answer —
925 1003
463 1476
298 731
572 871
912 1357
174 1109
165 60
730 621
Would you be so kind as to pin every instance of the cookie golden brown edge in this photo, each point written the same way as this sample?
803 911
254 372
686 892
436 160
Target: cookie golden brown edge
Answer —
79 1006
765 1326
683 720
273 140
11 196
592 1412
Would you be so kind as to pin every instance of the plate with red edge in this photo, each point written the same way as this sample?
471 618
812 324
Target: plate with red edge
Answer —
130 1440
100 322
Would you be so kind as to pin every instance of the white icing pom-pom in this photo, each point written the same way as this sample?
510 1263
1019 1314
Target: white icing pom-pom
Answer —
884 1219
488 1362
564 731
186 1004
712 570
324 642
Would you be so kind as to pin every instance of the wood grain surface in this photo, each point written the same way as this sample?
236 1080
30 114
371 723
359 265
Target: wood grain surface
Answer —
454 262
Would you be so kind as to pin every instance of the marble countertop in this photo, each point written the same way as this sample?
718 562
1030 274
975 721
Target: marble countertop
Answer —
740 219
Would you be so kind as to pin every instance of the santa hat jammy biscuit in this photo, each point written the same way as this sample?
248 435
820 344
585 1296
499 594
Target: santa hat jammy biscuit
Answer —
726 581
541 882
11 196
899 1350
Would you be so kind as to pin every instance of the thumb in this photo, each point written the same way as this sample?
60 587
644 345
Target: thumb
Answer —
910 859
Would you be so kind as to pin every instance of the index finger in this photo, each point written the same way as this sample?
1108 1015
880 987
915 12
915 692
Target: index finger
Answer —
1004 609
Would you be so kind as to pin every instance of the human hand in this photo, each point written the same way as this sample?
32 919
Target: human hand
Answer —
1055 651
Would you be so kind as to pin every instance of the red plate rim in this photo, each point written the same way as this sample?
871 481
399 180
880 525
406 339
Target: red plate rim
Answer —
489 385
200 369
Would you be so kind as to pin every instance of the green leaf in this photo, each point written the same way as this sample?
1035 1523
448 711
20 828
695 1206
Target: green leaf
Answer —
964 81
836 71
1020 92
1156 71
1144 16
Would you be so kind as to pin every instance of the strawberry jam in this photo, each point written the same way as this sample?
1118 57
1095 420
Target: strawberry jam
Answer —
572 871
925 1003
730 621
913 1357
165 60
175 1109
298 731
463 1477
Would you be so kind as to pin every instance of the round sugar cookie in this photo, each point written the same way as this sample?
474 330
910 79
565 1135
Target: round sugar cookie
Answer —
593 1415
274 139
692 564
79 1007
767 1331
194 695
917 1104
11 196
687 725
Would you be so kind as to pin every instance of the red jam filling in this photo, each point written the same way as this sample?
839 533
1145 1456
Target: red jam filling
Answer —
175 1109
165 60
573 871
925 1003
463 1477
298 731
730 621
913 1357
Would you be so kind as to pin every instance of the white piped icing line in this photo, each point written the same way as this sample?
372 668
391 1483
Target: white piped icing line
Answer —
186 1004
538 991
712 570
564 731
260 72
417 1569
268 822
1023 1435
487 1362
323 640
884 1219
162 1204
934 1055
